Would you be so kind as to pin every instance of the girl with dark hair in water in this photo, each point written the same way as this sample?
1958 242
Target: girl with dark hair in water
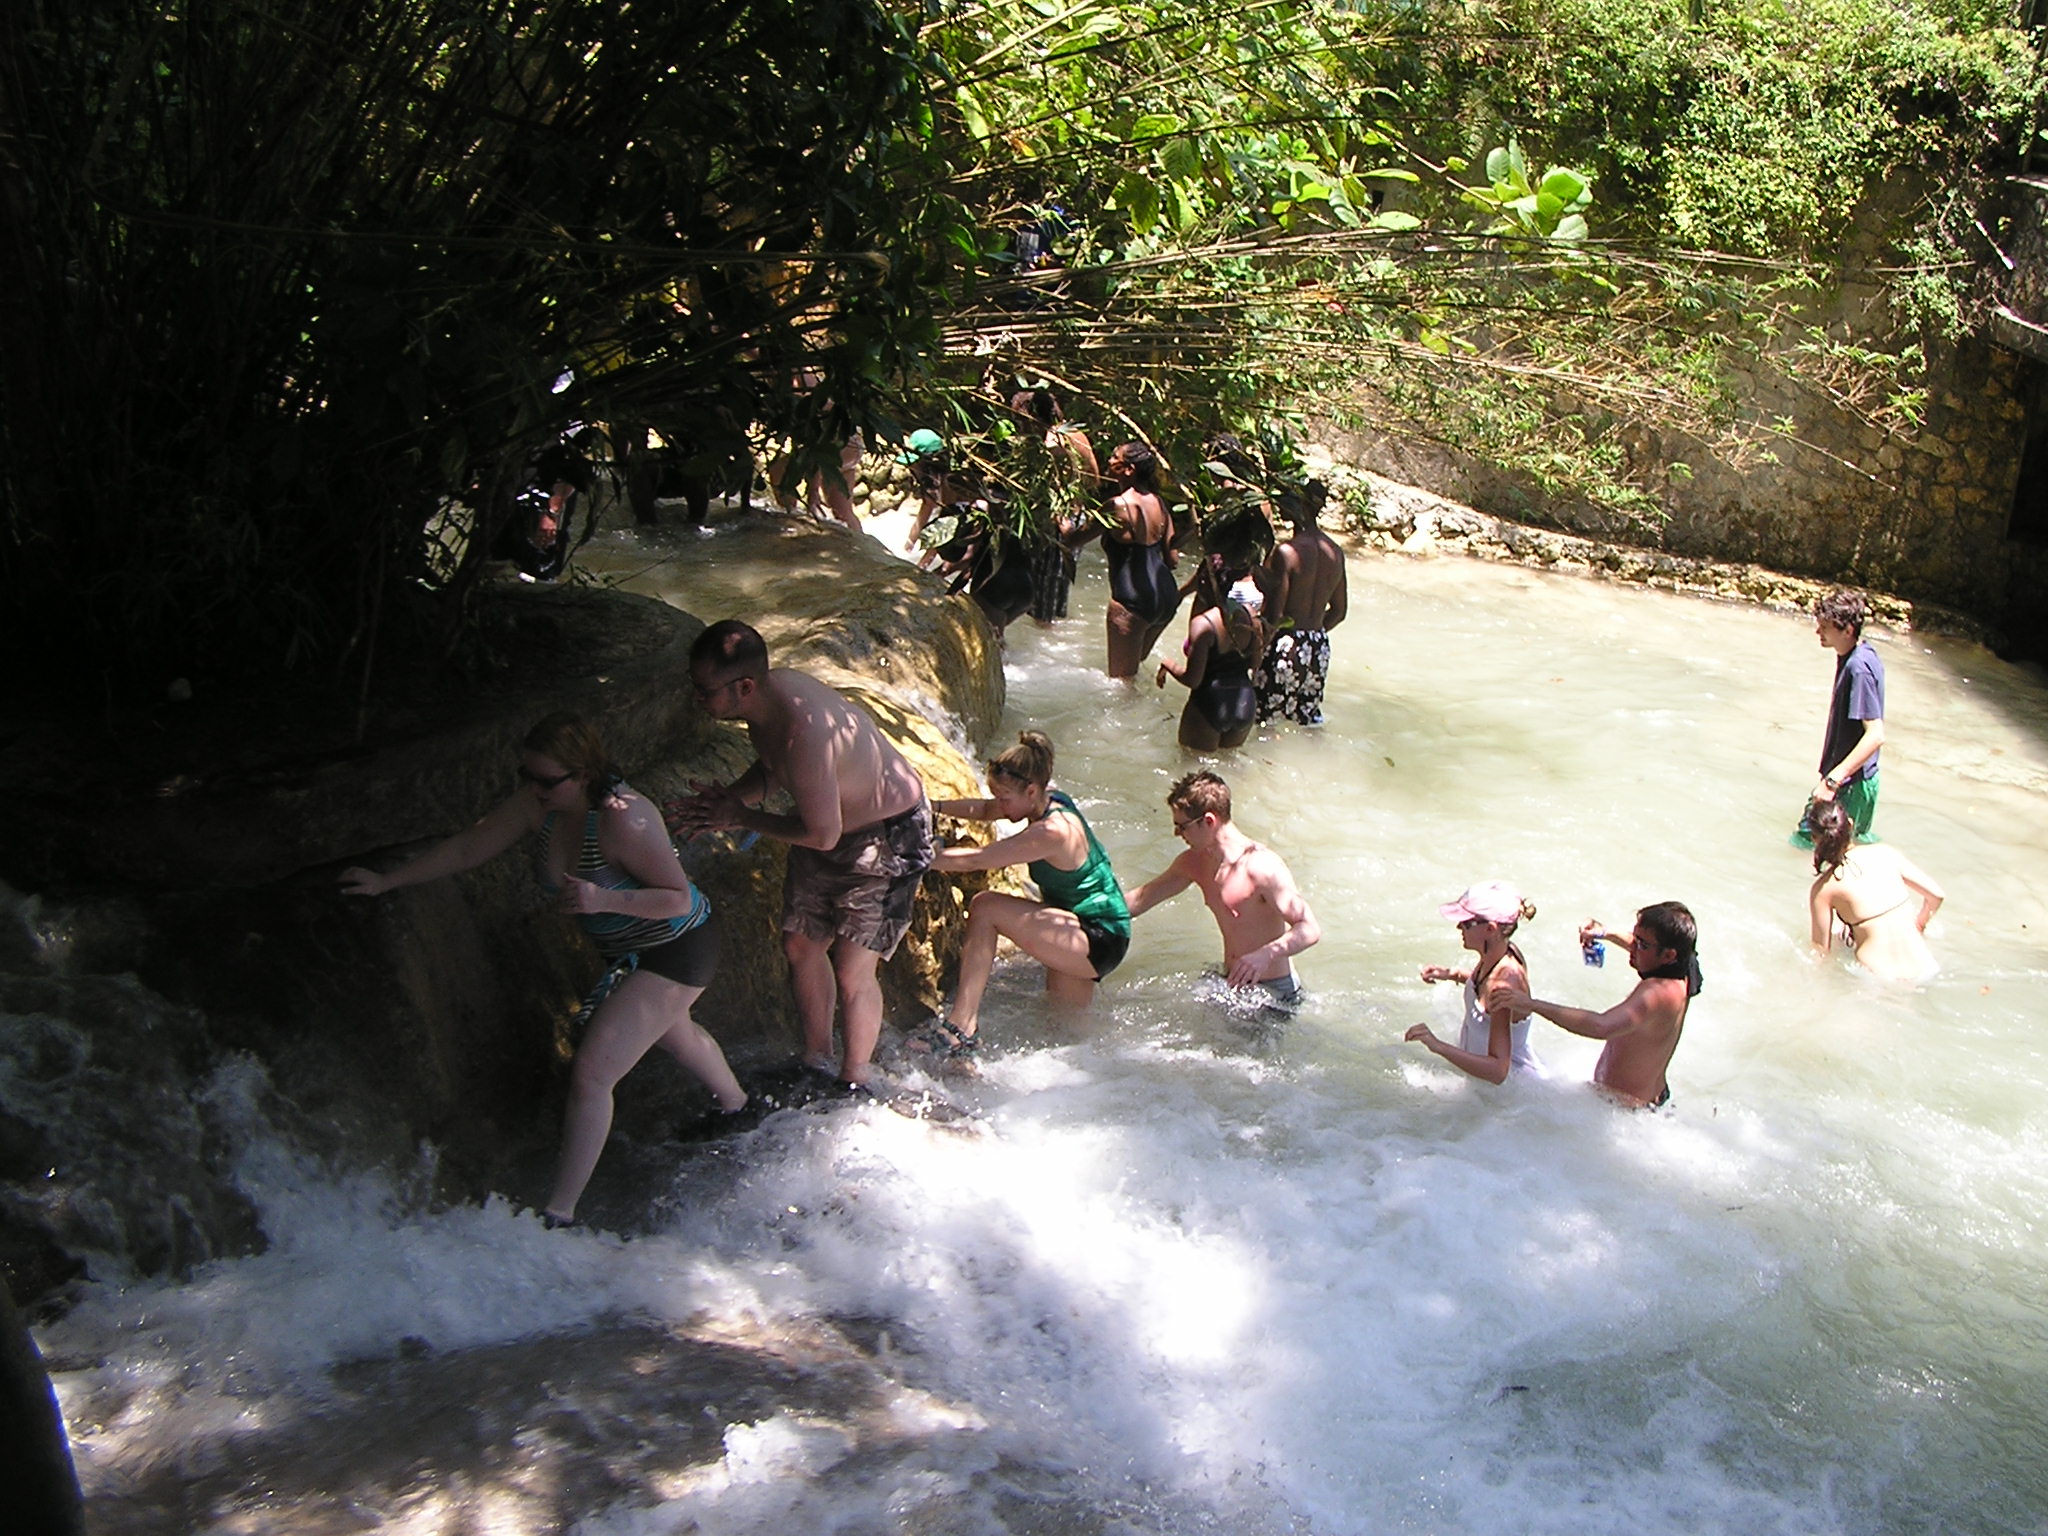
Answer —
1223 648
602 848
1870 888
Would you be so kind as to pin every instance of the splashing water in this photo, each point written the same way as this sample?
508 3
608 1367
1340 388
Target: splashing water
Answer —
1188 1274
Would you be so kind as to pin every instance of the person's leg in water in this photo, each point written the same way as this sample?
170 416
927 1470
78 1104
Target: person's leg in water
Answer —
1050 935
1196 732
838 489
815 989
1130 640
643 1010
857 974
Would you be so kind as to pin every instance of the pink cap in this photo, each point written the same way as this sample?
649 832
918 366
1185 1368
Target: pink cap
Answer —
1493 901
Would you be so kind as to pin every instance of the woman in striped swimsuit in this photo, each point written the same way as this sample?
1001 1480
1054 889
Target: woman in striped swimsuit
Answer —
605 854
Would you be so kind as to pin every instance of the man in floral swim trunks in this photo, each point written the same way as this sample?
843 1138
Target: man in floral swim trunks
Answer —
1306 598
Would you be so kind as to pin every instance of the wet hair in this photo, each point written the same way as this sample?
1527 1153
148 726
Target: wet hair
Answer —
1143 461
1843 609
1039 405
1028 762
573 742
1245 629
1201 792
1834 830
1670 925
732 649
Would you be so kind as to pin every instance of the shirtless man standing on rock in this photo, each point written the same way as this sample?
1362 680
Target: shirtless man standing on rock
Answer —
859 839
1306 598
1264 921
1641 1030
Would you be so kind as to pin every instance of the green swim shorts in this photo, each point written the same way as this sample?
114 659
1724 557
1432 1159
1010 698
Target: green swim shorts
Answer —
1859 798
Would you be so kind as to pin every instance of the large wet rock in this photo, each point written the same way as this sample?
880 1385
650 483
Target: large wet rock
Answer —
199 853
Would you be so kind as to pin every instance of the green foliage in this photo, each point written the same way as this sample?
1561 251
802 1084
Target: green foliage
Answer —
290 284
285 278
1525 206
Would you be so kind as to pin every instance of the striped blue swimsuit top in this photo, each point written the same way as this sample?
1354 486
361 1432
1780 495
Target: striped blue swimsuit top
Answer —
617 933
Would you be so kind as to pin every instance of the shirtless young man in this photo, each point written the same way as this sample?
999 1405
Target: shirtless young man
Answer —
860 837
1249 890
1642 1030
1306 598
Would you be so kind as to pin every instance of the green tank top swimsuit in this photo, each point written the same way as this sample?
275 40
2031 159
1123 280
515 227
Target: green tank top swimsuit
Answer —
1090 893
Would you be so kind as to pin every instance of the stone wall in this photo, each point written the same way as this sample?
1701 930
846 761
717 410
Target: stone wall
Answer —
1924 514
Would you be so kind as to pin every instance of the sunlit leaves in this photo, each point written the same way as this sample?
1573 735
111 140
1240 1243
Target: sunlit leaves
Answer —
1548 207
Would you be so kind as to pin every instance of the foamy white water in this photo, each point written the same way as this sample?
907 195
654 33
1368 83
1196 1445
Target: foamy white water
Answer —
1188 1276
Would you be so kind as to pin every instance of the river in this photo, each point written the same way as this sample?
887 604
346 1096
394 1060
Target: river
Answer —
1186 1274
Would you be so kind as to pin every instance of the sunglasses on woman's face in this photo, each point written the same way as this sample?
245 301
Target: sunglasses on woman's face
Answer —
542 780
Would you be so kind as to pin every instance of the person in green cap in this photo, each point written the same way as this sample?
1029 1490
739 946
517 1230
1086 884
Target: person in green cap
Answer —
932 474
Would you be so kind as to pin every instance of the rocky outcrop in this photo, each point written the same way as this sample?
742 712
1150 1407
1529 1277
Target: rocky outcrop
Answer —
201 857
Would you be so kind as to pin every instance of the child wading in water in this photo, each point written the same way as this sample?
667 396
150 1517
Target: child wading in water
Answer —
1492 1040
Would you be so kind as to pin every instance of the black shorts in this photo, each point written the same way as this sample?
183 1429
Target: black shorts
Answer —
1107 946
689 958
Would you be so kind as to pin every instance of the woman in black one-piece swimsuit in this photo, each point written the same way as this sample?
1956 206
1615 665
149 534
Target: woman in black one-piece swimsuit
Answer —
1223 648
1143 597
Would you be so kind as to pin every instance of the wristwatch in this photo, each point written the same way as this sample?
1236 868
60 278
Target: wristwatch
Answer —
1831 781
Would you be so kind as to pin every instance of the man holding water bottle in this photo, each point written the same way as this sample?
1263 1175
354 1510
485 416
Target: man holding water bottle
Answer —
1642 1030
860 836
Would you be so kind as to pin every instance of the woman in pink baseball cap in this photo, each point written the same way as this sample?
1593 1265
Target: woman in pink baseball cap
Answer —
1491 1040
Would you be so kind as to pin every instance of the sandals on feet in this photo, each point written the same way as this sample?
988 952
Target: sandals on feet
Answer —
944 1040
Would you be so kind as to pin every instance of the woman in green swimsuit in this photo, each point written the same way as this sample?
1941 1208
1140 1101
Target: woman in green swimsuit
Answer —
1079 929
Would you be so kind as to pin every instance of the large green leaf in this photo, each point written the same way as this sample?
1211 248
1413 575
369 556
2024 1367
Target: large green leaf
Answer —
1156 125
1567 186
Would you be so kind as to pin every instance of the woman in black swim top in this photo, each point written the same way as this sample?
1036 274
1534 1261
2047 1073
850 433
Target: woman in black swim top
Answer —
1223 647
1139 547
